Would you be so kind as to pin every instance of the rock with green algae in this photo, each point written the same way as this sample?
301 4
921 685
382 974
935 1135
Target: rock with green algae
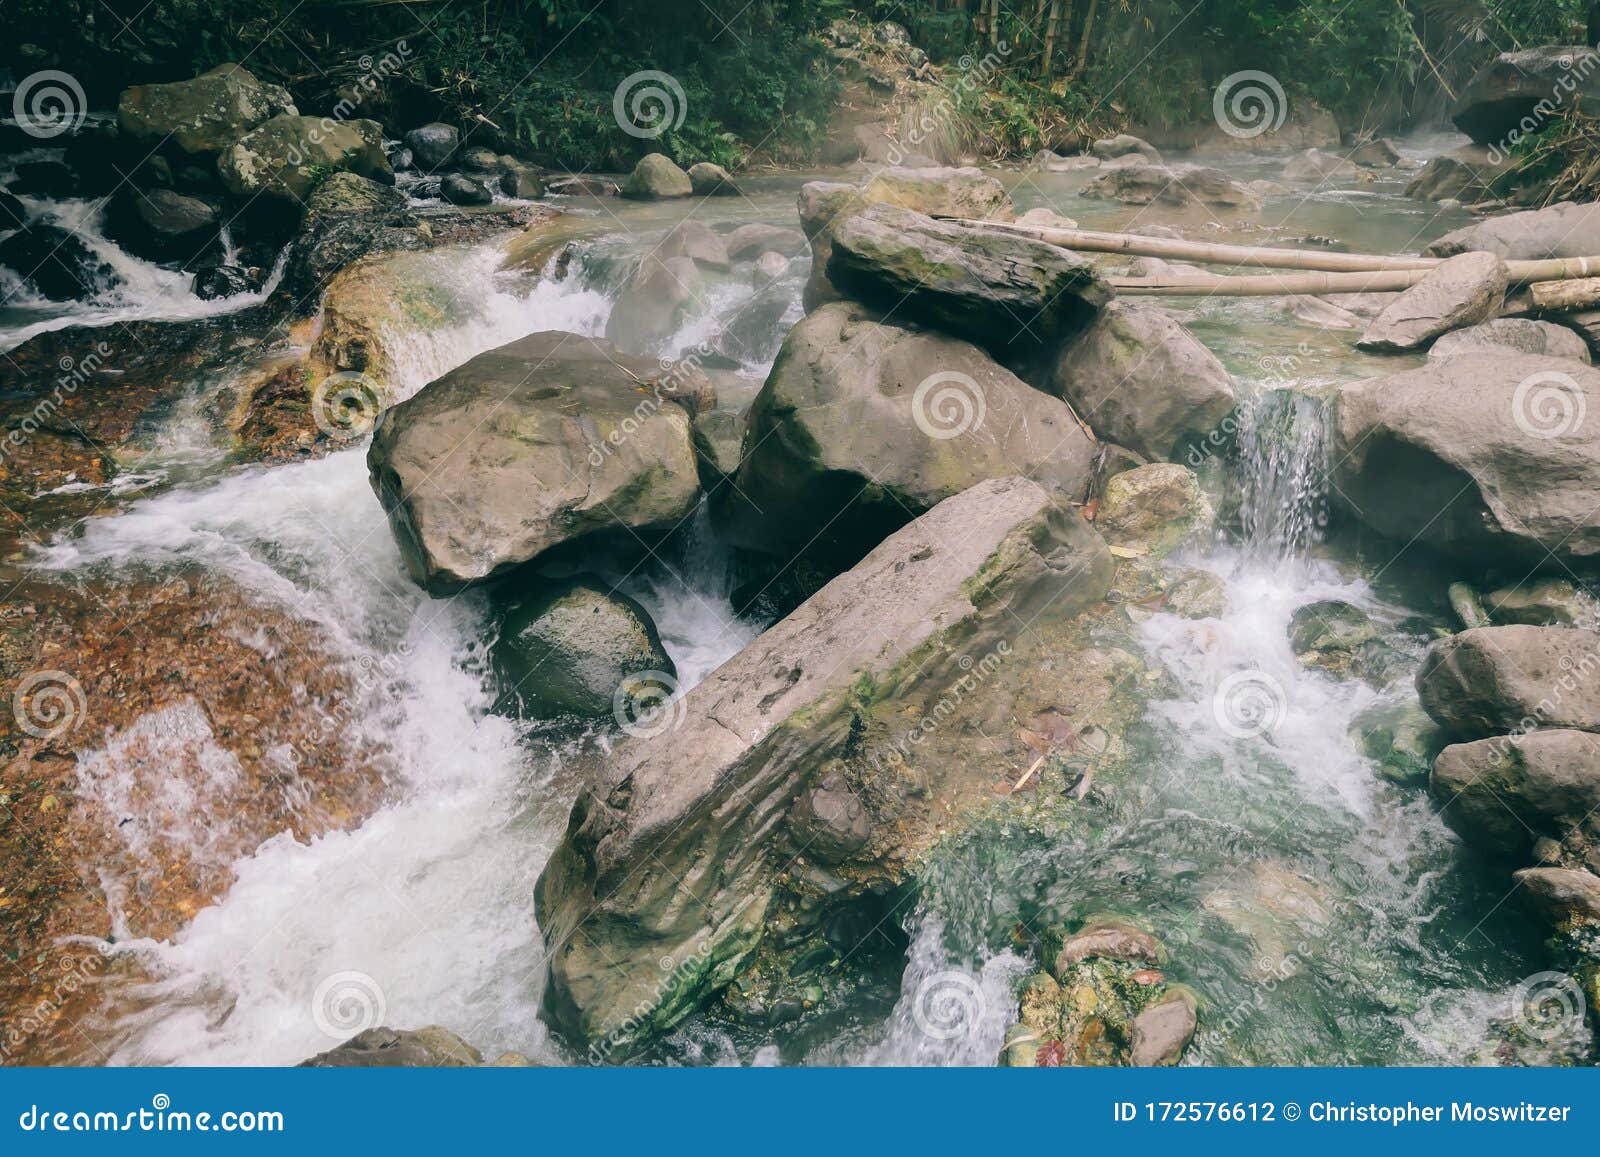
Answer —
1152 510
897 684
1105 1002
1401 737
567 648
1341 639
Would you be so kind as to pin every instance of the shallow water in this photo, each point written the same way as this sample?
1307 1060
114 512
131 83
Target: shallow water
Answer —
1326 916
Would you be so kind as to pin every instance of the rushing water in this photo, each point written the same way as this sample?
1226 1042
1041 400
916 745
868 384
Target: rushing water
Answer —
1325 915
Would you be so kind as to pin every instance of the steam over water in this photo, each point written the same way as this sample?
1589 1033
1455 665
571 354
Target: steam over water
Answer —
1326 916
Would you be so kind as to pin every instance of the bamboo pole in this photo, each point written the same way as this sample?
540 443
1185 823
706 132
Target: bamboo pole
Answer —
1556 271
1213 253
1135 245
1575 293
1083 41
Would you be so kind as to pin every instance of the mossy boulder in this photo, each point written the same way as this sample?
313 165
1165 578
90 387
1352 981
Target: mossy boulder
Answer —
566 648
1152 510
1401 738
202 116
656 178
1331 635
285 158
863 425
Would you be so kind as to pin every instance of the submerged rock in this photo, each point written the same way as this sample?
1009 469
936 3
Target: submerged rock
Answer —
1505 793
1492 680
999 290
1106 1004
552 439
862 426
1142 380
1182 185
202 116
709 802
1485 456
1331 635
567 648
1401 738
1462 291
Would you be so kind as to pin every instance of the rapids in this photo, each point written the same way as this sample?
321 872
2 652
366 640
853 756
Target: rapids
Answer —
1326 915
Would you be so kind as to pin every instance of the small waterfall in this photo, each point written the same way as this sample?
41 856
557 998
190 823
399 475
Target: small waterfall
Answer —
1283 473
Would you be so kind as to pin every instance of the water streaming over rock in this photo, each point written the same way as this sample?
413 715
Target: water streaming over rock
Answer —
1325 916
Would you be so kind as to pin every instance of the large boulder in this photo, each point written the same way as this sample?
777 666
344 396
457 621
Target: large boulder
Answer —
709 180
1125 144
55 263
162 224
1142 380
655 178
863 425
288 156
552 439
1468 174
1506 793
1491 680
202 116
1460 291
1484 456
345 217
433 145
1181 185
1518 335
824 205
722 803
460 189
1519 92
1001 290
566 648
1565 229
